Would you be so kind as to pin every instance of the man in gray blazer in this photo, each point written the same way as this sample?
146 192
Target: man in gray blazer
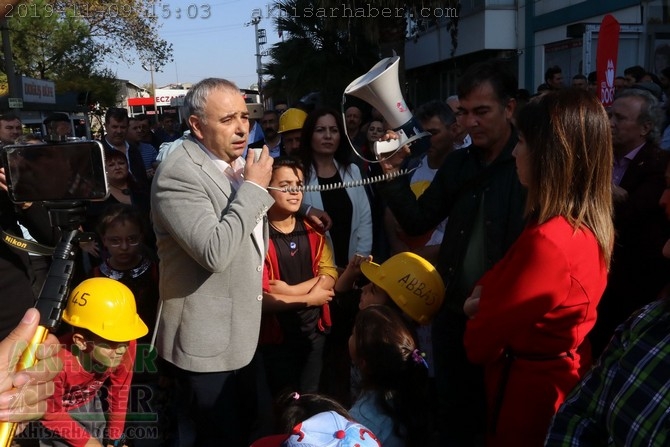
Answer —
208 208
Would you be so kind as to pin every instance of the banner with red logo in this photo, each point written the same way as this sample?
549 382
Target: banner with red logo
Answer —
606 55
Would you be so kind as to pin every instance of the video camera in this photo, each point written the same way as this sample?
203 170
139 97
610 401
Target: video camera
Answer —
63 176
55 172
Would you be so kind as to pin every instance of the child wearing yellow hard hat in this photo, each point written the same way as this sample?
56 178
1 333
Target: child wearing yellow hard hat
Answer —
405 279
99 352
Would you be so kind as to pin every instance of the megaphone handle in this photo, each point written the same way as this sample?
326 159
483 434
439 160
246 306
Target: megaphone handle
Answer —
28 359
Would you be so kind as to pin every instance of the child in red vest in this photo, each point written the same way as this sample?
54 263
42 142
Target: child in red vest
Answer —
298 284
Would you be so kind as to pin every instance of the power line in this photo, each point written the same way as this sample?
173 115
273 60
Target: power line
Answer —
200 30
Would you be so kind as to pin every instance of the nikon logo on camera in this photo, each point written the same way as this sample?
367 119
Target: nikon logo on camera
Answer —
15 242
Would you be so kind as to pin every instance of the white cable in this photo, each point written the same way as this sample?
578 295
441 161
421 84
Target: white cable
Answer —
351 184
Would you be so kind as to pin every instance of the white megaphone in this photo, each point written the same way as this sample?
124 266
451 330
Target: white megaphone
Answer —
380 88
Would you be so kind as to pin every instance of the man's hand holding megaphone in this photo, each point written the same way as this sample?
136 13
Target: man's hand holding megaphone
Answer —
393 163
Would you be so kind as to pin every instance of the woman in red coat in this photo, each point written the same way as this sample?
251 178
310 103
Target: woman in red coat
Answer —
531 312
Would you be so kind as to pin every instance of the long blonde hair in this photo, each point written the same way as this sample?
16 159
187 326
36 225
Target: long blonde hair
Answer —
569 139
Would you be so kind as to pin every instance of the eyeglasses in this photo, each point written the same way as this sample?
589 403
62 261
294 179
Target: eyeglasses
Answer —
132 241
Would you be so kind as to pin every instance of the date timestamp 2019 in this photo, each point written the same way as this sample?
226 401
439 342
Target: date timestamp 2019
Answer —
151 10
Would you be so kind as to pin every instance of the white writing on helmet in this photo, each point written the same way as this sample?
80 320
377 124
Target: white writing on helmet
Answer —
417 288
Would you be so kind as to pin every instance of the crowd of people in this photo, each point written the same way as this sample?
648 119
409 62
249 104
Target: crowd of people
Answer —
483 299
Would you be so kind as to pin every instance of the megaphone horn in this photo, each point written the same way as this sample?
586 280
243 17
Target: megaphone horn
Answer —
380 88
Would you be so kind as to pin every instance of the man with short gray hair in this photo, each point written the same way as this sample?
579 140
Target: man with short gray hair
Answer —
208 208
638 270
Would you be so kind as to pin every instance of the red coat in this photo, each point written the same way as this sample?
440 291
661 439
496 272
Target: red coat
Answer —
538 303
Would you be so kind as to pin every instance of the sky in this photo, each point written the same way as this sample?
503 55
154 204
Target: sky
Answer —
219 45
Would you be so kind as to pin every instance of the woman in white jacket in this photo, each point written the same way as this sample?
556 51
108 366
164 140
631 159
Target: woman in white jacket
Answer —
327 160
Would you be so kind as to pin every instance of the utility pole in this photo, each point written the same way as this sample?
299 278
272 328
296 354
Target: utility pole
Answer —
261 39
151 68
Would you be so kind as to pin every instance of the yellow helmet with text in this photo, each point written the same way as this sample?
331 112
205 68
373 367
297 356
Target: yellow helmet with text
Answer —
105 307
411 282
292 119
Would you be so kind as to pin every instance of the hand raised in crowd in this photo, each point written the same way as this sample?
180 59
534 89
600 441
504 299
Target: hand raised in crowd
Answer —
3 180
471 305
90 247
354 266
393 162
320 218
23 393
318 295
351 273
259 171
3 187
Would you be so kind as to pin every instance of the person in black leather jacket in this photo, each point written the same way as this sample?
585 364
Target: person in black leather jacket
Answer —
477 188
15 271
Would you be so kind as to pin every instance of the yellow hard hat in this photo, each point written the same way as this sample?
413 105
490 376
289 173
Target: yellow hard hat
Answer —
411 282
292 119
105 307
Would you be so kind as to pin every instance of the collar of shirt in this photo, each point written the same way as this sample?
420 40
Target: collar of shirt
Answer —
621 164
275 150
630 155
125 142
467 141
234 171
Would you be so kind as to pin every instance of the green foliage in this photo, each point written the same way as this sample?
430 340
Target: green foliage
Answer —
316 56
4 85
93 88
68 41
45 44
121 28
59 47
325 48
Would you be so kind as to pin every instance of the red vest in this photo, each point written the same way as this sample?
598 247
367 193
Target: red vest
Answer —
270 329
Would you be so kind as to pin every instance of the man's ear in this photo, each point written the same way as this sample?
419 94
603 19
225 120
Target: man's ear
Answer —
510 108
195 124
646 128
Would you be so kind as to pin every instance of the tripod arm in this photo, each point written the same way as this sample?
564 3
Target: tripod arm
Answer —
51 303
53 297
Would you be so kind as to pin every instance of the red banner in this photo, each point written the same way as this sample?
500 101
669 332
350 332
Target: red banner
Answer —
606 55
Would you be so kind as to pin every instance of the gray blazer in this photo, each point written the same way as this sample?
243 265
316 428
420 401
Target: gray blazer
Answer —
211 266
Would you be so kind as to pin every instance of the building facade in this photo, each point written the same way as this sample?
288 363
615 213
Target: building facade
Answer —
533 35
